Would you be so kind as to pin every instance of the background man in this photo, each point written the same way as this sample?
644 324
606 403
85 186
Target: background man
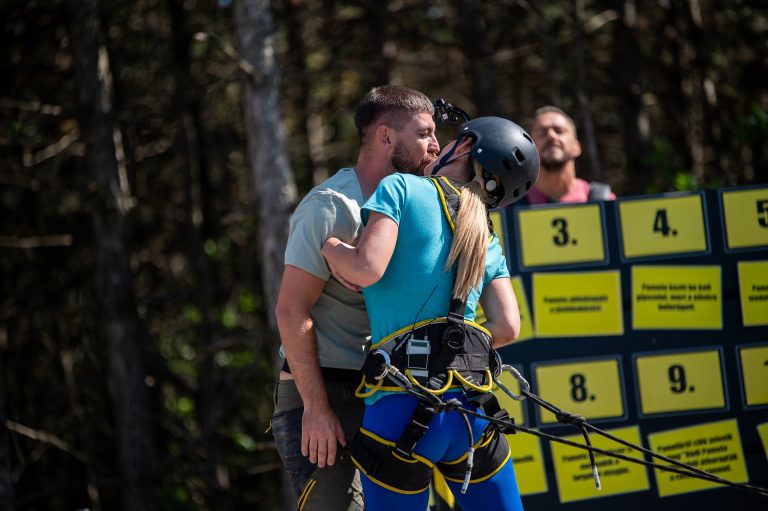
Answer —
554 133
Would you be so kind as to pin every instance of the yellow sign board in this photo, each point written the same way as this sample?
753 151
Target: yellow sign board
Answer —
512 406
561 235
714 447
754 374
762 430
577 304
526 325
528 460
746 218
674 382
677 297
498 228
669 225
753 289
574 473
589 388
526 322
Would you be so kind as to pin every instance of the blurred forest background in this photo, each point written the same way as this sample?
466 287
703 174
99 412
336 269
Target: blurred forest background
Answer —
151 152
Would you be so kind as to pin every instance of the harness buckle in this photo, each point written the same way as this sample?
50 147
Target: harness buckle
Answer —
376 365
414 430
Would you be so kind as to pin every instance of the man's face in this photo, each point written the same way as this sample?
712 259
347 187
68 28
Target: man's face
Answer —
416 145
555 139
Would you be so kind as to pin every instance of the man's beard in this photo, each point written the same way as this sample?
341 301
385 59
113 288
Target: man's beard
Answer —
403 164
552 164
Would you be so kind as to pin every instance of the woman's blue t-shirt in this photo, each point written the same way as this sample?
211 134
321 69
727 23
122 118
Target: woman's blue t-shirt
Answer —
415 285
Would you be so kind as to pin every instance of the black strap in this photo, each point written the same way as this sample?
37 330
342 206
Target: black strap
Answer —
333 374
363 455
599 191
491 407
416 428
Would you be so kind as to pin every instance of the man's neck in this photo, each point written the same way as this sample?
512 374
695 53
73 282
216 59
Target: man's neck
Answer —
554 183
369 174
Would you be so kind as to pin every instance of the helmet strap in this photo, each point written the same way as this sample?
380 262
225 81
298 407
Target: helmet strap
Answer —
445 160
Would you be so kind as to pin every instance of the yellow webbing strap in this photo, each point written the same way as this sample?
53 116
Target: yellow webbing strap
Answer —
482 442
439 391
433 321
486 388
443 201
392 444
363 394
407 329
442 490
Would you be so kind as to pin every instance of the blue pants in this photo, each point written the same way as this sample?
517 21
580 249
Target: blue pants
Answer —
446 440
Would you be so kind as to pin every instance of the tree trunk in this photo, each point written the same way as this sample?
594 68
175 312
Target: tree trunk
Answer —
210 397
588 138
6 482
274 186
313 158
121 327
479 59
627 57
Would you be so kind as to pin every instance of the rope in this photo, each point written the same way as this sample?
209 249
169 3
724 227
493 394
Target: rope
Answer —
585 427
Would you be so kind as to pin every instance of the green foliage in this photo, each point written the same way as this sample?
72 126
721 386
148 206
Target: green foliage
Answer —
192 233
667 163
755 125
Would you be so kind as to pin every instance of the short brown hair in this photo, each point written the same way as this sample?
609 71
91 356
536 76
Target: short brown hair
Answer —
553 109
399 104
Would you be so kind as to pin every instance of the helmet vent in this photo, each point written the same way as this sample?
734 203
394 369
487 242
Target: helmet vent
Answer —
506 164
527 137
519 155
528 185
516 192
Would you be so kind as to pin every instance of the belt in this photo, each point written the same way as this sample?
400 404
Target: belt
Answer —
334 374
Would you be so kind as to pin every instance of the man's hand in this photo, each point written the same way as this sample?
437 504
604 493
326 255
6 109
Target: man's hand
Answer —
320 432
321 429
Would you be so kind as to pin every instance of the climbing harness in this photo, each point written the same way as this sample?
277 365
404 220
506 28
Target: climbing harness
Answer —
440 353
433 356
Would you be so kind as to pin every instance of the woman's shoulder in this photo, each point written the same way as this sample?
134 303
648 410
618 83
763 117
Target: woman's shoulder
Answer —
405 181
405 178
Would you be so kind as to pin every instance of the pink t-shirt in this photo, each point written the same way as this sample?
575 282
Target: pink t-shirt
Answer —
578 193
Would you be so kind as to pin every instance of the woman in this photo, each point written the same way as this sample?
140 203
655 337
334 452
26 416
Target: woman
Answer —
423 267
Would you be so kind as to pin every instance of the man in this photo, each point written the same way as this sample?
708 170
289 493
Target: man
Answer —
323 325
554 133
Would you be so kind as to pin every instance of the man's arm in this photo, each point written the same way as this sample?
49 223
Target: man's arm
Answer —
321 428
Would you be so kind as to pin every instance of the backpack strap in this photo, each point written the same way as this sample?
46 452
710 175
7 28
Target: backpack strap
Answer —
599 191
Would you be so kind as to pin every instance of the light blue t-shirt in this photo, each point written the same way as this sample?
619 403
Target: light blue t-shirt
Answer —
415 285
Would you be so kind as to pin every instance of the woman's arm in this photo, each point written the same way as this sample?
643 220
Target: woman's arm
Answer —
500 307
364 264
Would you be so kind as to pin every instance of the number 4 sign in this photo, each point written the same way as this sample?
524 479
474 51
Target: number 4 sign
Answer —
673 224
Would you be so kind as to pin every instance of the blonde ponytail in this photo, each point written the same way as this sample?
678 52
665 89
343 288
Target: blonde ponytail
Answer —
470 240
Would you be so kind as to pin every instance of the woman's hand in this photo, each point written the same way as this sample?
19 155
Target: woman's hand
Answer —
330 251
363 265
